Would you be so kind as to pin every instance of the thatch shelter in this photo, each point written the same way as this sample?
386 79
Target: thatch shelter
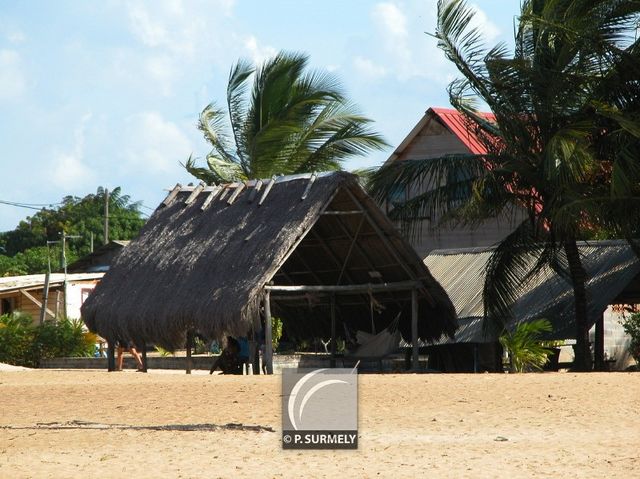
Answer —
313 249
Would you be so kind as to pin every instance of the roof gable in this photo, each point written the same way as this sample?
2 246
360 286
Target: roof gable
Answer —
205 255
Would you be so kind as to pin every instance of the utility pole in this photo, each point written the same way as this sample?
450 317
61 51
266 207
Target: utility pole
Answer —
106 216
64 265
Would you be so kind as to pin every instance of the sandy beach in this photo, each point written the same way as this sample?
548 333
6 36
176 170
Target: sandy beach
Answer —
67 424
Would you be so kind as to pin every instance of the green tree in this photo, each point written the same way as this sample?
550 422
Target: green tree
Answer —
25 250
292 121
562 149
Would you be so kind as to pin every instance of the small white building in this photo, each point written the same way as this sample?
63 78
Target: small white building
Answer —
26 294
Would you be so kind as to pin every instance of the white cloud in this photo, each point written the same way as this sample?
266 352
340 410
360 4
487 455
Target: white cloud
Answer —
154 145
258 53
162 71
368 68
391 18
69 169
12 78
490 31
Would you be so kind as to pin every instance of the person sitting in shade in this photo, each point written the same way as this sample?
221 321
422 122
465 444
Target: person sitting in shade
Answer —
229 360
123 346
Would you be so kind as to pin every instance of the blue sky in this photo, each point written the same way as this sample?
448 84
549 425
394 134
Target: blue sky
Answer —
107 93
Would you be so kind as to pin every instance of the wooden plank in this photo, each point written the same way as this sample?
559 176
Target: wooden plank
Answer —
172 195
36 302
254 191
194 194
212 195
268 345
309 185
267 189
225 190
235 194
347 288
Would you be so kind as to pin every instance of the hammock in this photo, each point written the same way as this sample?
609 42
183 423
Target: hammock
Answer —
378 345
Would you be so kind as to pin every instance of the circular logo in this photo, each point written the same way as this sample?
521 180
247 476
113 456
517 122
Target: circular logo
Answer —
287 439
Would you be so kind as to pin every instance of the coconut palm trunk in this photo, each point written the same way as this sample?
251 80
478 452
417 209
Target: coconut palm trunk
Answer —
578 276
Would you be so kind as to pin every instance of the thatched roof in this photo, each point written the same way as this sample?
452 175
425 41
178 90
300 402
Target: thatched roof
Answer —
204 257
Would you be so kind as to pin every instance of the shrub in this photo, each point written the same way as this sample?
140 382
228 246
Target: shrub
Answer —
25 344
276 331
631 326
526 351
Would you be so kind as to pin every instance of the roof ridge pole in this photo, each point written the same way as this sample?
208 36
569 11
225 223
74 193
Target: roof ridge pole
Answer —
268 343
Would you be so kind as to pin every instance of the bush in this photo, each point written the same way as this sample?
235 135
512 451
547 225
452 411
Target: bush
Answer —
24 344
631 326
526 351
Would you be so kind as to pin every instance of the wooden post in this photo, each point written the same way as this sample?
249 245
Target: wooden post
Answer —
189 346
268 344
143 353
45 298
598 347
414 329
333 331
111 355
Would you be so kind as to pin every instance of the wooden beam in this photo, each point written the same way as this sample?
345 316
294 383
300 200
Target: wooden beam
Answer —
36 302
342 213
254 191
351 246
414 330
194 194
308 188
172 195
235 194
388 244
212 195
267 189
268 345
347 288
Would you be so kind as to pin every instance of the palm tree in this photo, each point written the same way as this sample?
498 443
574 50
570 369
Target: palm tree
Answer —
292 121
562 148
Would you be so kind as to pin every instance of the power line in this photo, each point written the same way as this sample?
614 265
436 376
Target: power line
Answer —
31 206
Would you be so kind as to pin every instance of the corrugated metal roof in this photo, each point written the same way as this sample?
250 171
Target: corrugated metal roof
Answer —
459 126
610 266
30 281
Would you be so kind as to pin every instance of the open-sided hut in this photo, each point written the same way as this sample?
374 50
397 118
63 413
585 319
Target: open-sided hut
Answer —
312 249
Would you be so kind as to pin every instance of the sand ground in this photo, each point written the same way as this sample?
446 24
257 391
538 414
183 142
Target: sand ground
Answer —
486 425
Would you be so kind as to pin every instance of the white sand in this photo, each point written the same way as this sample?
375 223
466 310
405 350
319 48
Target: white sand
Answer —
555 425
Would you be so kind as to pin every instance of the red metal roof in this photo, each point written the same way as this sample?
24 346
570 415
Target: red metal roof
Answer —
458 124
